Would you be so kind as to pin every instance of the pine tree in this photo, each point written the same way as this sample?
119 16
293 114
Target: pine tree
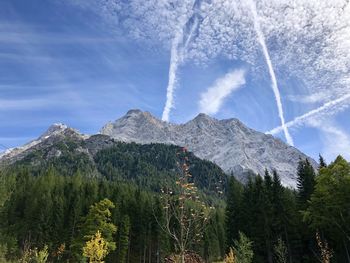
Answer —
263 208
305 186
322 162
234 196
278 205
305 182
123 244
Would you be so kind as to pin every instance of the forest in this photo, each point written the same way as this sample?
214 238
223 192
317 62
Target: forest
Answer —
135 201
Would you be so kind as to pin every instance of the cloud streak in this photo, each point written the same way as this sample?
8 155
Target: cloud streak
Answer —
175 60
328 109
213 98
182 38
335 140
308 40
274 84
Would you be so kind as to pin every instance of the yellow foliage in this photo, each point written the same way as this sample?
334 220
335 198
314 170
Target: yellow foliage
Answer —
230 257
35 255
96 249
60 251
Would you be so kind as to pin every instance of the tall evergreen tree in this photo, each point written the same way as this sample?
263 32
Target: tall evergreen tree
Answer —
278 205
233 208
123 239
305 187
322 162
305 182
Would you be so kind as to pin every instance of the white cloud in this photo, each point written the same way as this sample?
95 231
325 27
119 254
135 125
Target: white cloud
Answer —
335 140
308 99
212 99
23 104
307 39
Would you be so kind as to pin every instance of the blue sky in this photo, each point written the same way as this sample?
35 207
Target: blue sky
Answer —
85 63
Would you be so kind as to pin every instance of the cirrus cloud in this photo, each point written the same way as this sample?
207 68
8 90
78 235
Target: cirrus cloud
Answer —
307 39
212 99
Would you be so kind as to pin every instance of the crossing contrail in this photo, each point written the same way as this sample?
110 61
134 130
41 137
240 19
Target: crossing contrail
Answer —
325 109
274 85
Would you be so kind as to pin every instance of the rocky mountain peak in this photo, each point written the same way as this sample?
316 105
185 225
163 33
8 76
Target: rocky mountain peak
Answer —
135 124
54 132
55 128
138 113
134 111
203 118
229 143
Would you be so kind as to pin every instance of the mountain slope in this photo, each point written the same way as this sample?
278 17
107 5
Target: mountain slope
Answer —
149 166
229 143
53 134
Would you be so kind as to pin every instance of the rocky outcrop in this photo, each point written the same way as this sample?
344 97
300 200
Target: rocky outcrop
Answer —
229 143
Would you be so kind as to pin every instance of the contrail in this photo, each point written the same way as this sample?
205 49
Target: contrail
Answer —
301 119
174 64
193 29
178 49
274 85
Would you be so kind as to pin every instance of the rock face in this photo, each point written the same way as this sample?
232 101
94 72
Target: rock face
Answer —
229 143
54 133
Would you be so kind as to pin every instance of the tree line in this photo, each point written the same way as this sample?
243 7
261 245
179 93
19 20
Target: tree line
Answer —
310 223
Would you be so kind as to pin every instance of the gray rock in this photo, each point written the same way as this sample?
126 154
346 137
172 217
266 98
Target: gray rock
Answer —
229 143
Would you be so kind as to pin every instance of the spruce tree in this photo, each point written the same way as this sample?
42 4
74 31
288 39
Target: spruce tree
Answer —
234 196
322 162
305 182
277 205
305 185
123 237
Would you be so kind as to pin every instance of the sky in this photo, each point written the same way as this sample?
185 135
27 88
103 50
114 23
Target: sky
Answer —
280 66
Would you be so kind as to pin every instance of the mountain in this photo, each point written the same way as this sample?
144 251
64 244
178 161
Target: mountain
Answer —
54 131
149 166
228 143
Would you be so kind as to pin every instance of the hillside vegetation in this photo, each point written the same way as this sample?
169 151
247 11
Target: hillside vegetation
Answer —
110 206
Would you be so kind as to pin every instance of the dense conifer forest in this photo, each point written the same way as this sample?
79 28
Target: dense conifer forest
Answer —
54 210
